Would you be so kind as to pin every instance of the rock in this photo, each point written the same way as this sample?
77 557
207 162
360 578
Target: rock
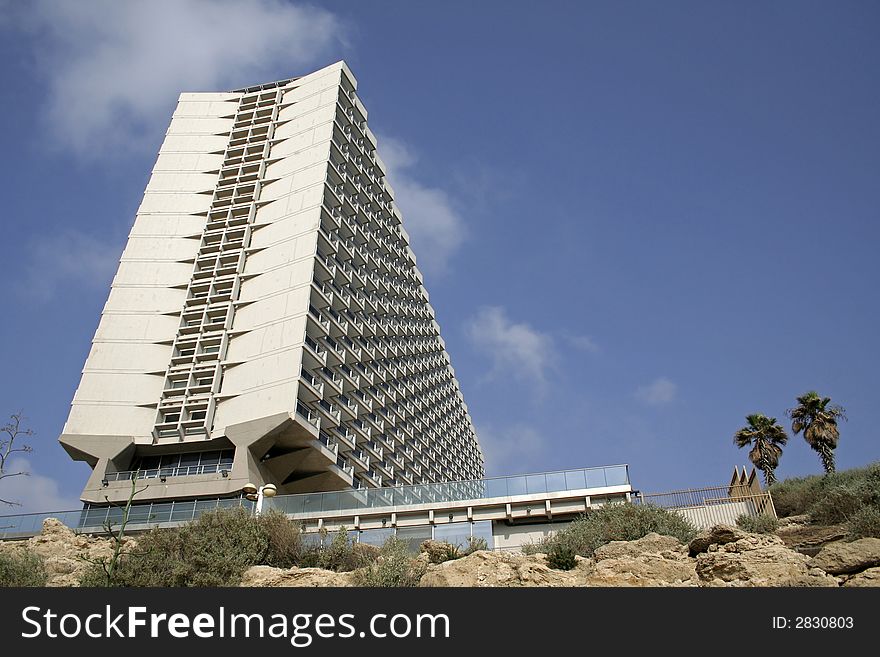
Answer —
652 543
267 576
844 558
65 554
869 577
717 535
438 551
758 560
646 570
653 560
504 569
802 519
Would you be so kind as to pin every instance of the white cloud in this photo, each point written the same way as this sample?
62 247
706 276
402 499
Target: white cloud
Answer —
657 393
516 349
69 257
435 228
115 68
509 450
583 343
35 492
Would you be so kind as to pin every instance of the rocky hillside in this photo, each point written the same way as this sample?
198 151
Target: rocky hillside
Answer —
721 556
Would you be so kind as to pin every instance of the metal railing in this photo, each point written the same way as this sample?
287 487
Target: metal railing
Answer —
705 507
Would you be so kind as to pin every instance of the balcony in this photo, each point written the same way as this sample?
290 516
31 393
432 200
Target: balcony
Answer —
304 412
313 355
321 296
334 353
328 413
311 389
359 459
346 437
347 407
333 381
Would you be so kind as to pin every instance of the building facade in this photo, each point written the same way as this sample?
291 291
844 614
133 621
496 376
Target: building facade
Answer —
267 322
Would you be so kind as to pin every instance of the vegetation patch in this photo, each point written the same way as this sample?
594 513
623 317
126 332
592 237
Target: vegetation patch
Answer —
614 522
394 567
21 567
760 524
213 550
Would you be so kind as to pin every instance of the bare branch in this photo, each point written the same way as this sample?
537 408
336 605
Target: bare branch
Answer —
11 432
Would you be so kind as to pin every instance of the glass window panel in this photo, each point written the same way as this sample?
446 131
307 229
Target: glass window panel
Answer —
496 488
556 481
375 536
312 503
330 501
414 536
596 478
575 480
182 511
140 514
616 476
483 529
516 486
210 458
162 512
188 460
536 484
456 533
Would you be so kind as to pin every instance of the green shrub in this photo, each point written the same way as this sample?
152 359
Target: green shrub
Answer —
828 498
561 556
394 567
336 555
616 522
759 524
865 523
213 550
21 567
474 544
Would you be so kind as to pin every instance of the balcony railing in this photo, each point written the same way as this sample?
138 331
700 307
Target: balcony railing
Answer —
170 513
176 471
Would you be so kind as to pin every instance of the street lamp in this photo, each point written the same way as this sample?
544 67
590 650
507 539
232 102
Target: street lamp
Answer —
255 494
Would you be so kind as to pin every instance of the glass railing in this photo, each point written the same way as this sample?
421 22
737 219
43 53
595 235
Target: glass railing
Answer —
97 519
530 484
93 520
175 471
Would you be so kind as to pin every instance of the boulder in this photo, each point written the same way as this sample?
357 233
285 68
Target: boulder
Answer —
267 576
504 569
651 544
758 560
844 558
869 577
645 570
65 553
717 535
802 519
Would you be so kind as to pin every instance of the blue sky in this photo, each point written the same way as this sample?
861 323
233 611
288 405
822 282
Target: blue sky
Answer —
637 221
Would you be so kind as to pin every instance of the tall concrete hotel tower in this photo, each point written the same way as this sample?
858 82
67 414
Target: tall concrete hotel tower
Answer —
267 322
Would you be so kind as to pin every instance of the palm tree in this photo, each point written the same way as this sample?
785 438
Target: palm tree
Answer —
766 438
817 417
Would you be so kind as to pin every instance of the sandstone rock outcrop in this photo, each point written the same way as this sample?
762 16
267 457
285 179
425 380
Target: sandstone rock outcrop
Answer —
506 569
845 558
757 560
266 576
720 556
65 552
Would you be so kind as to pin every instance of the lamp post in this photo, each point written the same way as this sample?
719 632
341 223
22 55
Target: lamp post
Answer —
255 494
